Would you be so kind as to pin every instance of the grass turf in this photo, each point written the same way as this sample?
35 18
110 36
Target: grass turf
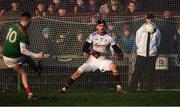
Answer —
94 98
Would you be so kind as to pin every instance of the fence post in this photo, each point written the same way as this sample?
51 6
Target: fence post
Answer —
18 83
131 61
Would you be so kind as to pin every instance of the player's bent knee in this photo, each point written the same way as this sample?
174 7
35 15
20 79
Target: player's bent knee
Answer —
113 68
19 70
22 72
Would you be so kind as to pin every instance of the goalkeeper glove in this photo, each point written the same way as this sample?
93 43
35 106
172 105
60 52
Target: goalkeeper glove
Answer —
120 56
94 53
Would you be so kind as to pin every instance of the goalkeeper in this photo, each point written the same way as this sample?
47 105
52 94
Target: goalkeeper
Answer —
15 52
99 56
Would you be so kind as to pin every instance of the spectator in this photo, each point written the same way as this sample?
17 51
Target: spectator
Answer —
40 10
168 29
62 12
2 12
79 8
104 10
49 44
131 9
177 42
131 12
168 46
46 32
129 39
4 7
27 5
54 7
110 30
140 5
93 20
167 14
14 10
61 43
115 8
147 42
60 39
80 37
93 7
78 43
50 11
70 4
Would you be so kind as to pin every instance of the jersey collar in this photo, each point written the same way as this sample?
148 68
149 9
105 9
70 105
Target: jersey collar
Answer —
101 34
21 28
22 25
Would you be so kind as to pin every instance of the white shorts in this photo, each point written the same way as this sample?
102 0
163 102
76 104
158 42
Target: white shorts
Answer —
12 62
93 64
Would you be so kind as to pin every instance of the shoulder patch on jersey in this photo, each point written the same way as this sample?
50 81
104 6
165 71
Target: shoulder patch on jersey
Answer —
21 29
94 33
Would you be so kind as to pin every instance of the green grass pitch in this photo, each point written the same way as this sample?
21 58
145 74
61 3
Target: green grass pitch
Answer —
94 98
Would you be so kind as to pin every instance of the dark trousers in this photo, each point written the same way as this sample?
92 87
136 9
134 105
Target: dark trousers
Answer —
144 66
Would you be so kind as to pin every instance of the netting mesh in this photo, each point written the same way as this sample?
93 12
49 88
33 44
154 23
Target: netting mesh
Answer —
59 36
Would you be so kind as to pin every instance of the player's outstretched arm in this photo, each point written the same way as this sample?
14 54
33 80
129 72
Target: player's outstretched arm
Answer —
25 51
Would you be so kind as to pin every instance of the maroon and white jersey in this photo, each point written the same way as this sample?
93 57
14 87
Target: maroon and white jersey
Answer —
101 43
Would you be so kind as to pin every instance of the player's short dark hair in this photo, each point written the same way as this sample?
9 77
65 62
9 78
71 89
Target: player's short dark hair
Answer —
150 16
26 14
100 21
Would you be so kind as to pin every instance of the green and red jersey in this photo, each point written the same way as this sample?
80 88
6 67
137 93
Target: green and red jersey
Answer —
16 34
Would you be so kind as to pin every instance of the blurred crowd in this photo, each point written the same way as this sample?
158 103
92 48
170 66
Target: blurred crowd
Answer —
64 8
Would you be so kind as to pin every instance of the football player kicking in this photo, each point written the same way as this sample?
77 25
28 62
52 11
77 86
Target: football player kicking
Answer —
99 56
15 52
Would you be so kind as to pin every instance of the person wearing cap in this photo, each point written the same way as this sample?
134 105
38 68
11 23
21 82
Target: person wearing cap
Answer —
147 42
177 42
15 52
97 47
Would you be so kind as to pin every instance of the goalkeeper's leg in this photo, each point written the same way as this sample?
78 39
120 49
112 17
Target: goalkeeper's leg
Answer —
117 79
72 79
